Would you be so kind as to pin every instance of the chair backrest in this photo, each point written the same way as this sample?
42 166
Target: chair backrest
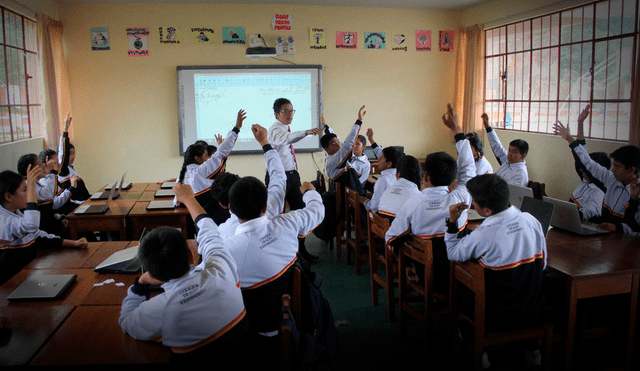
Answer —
352 201
339 197
296 297
378 226
286 337
538 189
471 275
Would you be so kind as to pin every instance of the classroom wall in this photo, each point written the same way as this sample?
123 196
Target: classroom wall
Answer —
125 109
549 160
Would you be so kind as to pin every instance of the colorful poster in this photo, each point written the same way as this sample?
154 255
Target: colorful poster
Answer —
423 40
138 41
170 35
100 38
400 40
202 35
375 40
282 22
317 38
234 35
346 40
446 41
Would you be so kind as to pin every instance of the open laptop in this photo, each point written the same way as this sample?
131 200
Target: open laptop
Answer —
168 185
517 194
123 261
103 195
122 184
164 193
566 216
371 156
96 209
161 205
42 287
541 210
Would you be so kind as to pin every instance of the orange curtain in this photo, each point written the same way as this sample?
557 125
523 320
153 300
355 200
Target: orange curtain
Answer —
56 102
469 89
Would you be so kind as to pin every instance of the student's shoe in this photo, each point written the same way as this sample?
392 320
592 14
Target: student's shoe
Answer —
532 357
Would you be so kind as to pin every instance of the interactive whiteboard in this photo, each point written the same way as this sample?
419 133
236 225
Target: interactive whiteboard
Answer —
209 98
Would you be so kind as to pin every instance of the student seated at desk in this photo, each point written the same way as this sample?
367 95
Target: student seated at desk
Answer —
265 251
339 155
66 157
631 222
387 162
199 169
511 246
405 188
19 233
359 160
482 164
513 167
423 217
200 314
624 171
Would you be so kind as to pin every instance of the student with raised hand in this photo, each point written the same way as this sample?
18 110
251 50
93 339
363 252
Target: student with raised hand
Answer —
199 169
20 235
359 160
513 167
276 189
482 164
200 314
424 217
511 246
404 189
387 162
625 170
66 158
265 251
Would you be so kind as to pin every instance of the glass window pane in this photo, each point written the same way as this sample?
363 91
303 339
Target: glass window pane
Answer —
3 79
576 30
611 121
587 23
600 70
624 119
518 37
536 78
5 125
585 85
596 129
488 43
544 75
503 40
536 33
565 24
511 38
546 31
508 120
629 16
615 17
555 29
526 35
602 19
565 72
553 73
31 38
511 78
613 69
626 67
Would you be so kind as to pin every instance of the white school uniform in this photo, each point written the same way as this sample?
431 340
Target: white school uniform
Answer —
588 197
340 161
396 195
362 166
483 166
282 140
18 230
515 174
386 178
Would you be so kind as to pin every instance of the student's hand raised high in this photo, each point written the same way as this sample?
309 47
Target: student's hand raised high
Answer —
67 121
456 210
563 131
260 133
370 135
33 173
219 138
361 113
306 186
450 120
52 164
485 120
241 116
583 116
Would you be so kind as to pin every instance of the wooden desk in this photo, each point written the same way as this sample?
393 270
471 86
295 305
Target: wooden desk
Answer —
593 267
111 221
139 218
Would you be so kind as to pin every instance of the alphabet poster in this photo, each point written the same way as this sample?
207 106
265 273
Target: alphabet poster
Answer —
100 38
346 40
400 41
423 40
202 35
138 41
375 40
170 35
446 41
234 35
317 38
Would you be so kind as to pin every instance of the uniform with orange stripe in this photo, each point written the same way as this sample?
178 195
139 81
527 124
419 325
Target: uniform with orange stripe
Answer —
338 162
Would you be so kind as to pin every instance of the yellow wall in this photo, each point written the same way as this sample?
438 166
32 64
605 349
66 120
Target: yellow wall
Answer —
125 109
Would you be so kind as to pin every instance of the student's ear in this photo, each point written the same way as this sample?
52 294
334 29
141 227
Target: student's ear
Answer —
523 156
264 210
453 184
398 175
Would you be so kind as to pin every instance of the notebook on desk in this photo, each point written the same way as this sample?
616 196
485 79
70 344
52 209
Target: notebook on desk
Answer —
541 210
103 195
164 193
96 209
517 194
42 287
566 216
161 205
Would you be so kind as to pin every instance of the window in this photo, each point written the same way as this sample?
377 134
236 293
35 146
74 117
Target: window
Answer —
18 66
547 69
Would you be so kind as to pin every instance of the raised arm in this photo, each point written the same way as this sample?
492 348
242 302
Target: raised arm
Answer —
494 141
215 163
377 149
466 165
64 147
277 176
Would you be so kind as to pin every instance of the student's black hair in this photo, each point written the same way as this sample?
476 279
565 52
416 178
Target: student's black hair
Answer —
248 197
190 157
24 161
222 185
475 142
202 142
601 158
9 183
441 167
362 140
392 154
211 149
409 168
521 144
46 153
277 105
490 191
628 156
325 140
164 253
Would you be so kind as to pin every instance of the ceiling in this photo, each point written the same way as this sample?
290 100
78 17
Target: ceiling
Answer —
420 4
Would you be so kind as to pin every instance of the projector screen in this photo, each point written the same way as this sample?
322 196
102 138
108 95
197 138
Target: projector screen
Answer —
209 98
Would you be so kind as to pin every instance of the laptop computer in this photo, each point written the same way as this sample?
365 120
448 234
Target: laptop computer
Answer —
541 210
96 209
371 156
566 216
168 185
122 184
164 193
42 287
103 195
123 261
161 205
517 194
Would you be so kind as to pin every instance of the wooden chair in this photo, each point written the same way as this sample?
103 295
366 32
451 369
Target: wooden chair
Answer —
296 296
377 228
418 250
355 224
538 189
286 337
471 275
